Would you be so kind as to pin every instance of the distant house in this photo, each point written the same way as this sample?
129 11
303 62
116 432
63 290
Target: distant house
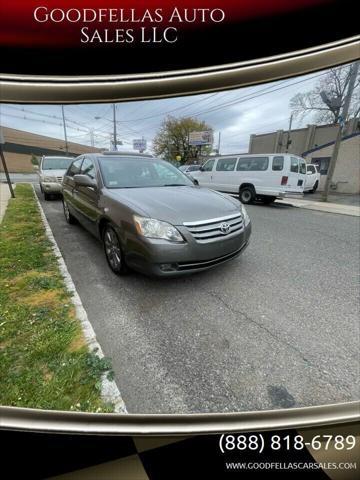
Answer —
20 146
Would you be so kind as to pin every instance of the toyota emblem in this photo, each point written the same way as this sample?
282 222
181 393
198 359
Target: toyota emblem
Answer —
225 228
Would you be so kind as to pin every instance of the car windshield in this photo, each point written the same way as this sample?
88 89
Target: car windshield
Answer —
140 173
56 163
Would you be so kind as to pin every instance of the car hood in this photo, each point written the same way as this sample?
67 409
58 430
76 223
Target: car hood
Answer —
53 173
177 204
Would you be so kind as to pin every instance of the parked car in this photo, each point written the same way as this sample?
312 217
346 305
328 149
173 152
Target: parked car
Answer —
264 177
51 172
189 168
312 178
151 217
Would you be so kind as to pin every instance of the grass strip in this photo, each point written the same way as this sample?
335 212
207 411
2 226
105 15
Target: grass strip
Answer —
44 359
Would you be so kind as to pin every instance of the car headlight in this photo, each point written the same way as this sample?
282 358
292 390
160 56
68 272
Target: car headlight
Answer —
244 214
49 179
151 228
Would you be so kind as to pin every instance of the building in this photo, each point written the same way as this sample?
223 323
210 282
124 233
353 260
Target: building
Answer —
346 177
20 147
316 143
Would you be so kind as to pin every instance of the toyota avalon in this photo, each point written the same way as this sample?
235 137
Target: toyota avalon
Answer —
150 216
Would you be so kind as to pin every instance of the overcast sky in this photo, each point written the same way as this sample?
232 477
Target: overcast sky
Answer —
235 113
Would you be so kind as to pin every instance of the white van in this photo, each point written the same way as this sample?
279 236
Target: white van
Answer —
262 176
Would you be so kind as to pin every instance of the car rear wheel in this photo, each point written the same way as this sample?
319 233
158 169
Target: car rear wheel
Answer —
113 252
68 217
247 195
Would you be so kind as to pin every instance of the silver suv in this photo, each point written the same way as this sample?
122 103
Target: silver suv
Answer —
151 217
51 171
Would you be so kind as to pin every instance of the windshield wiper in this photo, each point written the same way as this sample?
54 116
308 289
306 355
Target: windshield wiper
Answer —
175 185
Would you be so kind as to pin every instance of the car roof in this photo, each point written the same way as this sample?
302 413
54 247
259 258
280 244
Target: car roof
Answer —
120 154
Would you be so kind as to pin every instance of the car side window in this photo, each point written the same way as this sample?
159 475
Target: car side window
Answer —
208 166
88 168
74 168
311 169
226 164
278 163
294 165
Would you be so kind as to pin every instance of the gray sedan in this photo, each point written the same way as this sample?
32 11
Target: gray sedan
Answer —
151 217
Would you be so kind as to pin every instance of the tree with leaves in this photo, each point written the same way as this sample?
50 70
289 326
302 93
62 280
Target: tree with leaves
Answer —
326 100
172 140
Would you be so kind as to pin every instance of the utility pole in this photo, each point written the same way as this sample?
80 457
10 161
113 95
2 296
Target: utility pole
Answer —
342 120
65 134
92 141
219 143
288 140
114 120
2 142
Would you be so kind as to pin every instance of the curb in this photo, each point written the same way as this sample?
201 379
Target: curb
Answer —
109 390
336 209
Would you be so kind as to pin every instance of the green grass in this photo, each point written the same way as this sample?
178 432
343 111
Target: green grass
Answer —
44 360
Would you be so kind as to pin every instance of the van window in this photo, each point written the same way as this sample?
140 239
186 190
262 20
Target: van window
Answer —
74 168
208 166
294 165
226 164
254 164
278 164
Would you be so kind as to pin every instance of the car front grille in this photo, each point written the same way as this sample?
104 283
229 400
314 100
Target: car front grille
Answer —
59 179
213 229
183 266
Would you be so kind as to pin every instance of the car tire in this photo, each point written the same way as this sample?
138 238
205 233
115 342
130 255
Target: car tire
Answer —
267 200
47 196
247 195
315 187
113 251
68 216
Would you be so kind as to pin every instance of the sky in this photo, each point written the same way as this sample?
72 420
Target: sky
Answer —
235 113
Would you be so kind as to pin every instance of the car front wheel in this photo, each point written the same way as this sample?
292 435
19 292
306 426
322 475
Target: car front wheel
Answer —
113 252
68 217
315 187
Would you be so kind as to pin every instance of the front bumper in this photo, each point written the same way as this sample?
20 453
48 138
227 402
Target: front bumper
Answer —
166 259
51 187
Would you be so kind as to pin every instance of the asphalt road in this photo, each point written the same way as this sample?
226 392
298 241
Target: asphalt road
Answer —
277 327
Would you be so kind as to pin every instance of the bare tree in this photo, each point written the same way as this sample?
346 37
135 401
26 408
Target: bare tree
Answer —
326 100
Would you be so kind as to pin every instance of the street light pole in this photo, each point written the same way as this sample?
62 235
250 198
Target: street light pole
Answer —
65 134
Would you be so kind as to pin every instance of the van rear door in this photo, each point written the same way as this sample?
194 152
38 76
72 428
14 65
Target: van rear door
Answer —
296 175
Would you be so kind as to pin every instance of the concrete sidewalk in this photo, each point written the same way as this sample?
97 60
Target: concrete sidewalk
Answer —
339 206
5 195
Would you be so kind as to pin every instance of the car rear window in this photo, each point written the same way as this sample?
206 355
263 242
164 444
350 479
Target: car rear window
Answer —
56 163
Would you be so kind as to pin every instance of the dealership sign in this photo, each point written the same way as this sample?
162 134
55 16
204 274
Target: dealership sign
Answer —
201 138
139 144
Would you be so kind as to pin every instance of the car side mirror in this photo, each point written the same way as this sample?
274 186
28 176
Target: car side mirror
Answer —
195 181
84 181
201 169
